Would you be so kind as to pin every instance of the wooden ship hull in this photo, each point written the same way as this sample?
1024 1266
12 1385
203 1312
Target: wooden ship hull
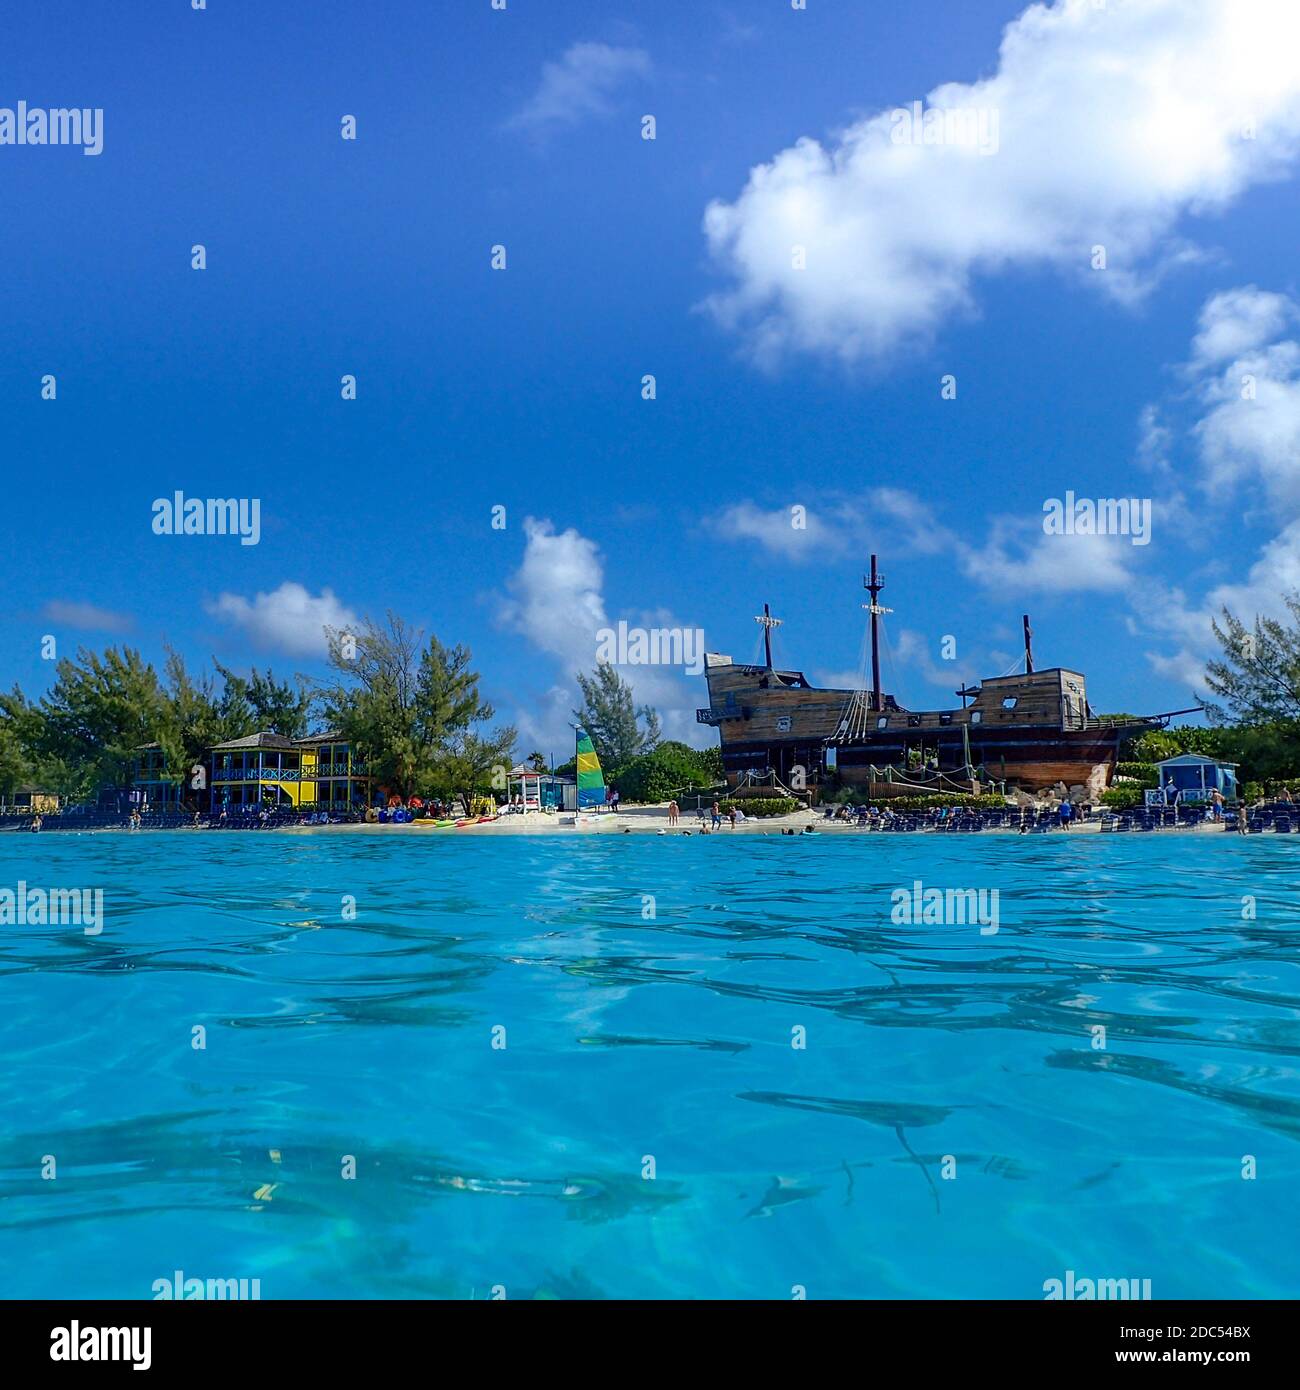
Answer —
1033 729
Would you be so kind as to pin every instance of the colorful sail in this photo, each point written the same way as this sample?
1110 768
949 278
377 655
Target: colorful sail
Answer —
591 781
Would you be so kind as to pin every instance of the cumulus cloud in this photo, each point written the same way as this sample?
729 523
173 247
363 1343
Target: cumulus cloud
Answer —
1109 124
1249 386
86 616
1238 321
288 619
582 83
555 599
1246 439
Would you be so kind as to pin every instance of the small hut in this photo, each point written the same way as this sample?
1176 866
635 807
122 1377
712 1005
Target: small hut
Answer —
1192 777
528 789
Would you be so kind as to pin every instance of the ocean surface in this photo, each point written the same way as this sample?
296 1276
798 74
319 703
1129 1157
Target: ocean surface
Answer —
949 1129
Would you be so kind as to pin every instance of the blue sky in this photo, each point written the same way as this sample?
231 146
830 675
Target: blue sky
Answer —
1167 133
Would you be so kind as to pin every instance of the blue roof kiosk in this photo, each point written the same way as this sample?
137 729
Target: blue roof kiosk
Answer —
1194 778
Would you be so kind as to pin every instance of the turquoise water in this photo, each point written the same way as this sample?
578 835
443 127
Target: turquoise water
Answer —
669 1038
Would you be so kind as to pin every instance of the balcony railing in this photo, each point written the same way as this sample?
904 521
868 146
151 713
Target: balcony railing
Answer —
320 772
256 774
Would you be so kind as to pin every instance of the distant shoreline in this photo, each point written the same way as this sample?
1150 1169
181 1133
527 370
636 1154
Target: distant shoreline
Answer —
649 820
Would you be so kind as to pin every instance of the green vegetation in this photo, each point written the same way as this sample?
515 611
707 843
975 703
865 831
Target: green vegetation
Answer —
932 800
613 721
1122 798
669 770
84 732
410 708
762 807
1255 715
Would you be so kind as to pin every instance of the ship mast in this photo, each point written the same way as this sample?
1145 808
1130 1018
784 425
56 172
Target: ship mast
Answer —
1029 647
767 622
873 586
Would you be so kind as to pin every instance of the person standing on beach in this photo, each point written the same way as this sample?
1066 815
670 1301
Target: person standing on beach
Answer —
717 816
1066 813
731 816
672 813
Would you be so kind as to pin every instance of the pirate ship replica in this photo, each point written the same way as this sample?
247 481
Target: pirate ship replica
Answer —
1030 729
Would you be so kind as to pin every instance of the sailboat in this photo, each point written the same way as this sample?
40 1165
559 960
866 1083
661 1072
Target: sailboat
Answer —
590 780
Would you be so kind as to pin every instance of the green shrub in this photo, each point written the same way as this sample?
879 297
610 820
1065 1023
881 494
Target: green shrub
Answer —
762 806
931 800
667 770
1144 774
1122 798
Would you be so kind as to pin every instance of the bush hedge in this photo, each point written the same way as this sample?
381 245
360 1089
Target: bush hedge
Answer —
1144 774
1123 798
932 800
762 806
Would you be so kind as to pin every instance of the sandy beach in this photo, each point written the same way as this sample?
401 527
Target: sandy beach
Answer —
631 820
653 820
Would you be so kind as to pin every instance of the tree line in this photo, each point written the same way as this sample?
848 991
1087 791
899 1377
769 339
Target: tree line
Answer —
409 706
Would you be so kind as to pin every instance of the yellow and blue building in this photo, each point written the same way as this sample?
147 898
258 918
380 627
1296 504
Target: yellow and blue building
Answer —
314 773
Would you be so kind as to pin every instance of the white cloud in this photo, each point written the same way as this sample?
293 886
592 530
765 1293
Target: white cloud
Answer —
87 616
288 619
775 530
913 650
1022 558
555 597
1112 123
835 524
1239 321
1246 381
1276 571
556 600
1019 555
1251 431
582 83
